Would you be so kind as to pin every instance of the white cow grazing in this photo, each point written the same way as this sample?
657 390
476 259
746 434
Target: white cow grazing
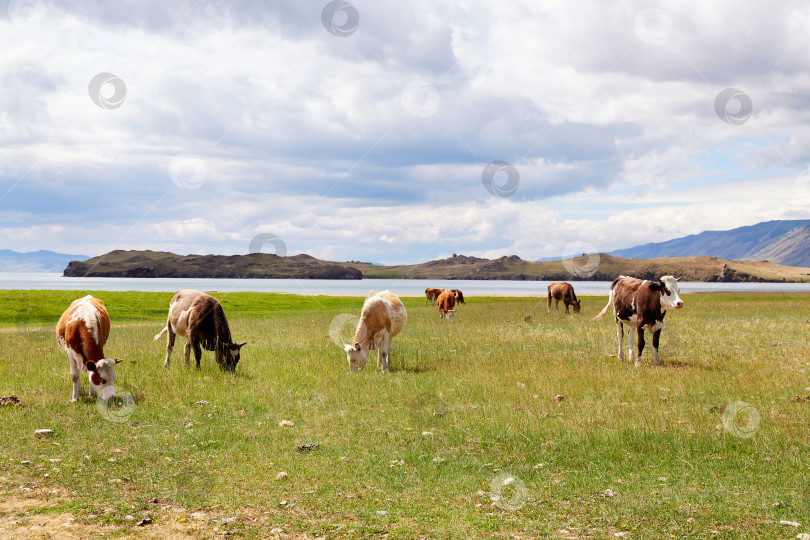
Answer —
383 317
82 331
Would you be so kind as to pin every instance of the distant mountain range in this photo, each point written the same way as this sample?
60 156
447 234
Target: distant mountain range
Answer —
36 261
785 242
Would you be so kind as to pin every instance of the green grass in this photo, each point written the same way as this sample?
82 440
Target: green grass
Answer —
484 388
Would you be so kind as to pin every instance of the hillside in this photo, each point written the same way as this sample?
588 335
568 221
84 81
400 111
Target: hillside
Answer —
710 269
121 263
785 242
259 265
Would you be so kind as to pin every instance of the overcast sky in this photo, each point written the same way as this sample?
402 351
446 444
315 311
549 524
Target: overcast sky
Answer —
398 132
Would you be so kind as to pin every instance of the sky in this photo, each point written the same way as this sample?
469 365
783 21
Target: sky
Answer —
398 132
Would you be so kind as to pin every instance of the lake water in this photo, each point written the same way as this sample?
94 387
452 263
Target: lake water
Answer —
44 281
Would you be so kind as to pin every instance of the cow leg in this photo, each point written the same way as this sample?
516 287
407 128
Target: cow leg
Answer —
620 335
187 351
656 338
75 377
170 347
566 306
631 335
382 356
197 353
640 345
548 308
426 300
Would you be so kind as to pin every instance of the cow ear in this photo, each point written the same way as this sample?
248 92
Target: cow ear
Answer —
96 378
118 360
239 346
90 365
348 348
357 346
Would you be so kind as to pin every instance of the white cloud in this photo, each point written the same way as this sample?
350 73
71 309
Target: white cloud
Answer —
304 134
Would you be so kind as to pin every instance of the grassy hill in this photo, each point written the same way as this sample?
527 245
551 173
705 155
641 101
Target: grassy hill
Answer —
121 263
587 267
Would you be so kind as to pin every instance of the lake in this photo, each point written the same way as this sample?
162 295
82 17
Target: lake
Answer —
44 281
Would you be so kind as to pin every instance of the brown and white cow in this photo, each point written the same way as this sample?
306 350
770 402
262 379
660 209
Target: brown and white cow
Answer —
199 318
82 331
383 317
431 294
639 304
459 296
560 290
446 302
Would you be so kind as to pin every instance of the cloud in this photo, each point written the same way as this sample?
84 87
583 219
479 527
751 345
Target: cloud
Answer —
372 146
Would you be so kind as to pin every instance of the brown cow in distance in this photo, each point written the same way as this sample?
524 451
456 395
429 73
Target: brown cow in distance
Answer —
431 294
560 290
639 303
446 302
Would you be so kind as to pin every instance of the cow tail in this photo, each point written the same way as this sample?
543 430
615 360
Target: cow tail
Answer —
607 307
165 329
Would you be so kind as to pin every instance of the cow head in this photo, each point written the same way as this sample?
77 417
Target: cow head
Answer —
231 355
357 356
451 315
102 376
459 297
670 299
577 304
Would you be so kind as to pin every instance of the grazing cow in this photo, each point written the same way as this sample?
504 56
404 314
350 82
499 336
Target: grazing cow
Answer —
640 304
459 296
383 317
199 318
446 302
82 331
431 295
560 290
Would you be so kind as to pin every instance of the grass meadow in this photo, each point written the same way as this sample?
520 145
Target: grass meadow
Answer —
464 438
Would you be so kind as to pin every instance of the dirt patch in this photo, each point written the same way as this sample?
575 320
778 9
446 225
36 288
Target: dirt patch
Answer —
22 517
9 400
800 399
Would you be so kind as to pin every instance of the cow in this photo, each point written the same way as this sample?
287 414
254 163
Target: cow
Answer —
459 296
199 318
383 316
639 304
81 332
560 290
446 301
431 294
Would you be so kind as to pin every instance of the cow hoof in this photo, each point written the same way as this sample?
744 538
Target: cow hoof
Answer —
638 363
